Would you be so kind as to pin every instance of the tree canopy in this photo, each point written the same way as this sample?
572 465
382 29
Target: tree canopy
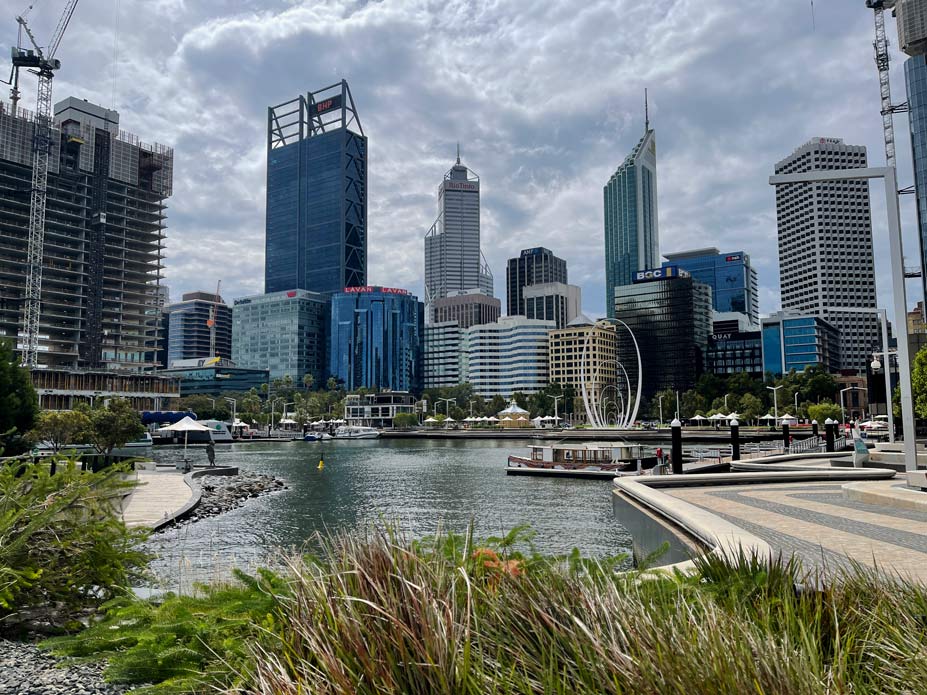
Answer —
19 403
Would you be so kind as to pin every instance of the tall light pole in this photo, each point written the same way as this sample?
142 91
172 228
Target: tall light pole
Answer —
677 405
234 408
472 401
843 416
875 365
660 400
774 389
725 402
896 252
796 404
556 412
447 408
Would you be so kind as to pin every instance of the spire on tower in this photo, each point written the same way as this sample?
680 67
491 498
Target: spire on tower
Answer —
646 112
458 153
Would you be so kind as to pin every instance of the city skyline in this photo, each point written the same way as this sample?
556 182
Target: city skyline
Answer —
541 151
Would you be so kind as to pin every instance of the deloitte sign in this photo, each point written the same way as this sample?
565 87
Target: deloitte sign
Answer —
669 271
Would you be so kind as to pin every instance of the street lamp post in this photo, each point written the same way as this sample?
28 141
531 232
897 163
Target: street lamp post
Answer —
775 389
660 399
896 252
447 408
677 405
796 404
843 416
875 365
234 409
556 412
472 401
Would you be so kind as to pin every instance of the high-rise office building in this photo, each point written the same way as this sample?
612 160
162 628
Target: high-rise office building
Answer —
632 241
283 332
505 357
670 316
376 339
104 237
442 354
732 279
553 301
912 39
453 259
190 333
531 267
825 247
316 227
466 308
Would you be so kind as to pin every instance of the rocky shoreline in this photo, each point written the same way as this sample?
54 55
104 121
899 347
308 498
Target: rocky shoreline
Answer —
223 493
27 670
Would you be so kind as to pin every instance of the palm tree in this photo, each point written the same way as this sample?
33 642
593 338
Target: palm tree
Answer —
308 380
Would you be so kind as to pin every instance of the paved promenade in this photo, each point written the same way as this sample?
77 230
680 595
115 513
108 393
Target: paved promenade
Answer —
823 524
157 495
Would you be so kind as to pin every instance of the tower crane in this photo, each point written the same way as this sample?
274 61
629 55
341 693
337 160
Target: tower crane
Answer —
880 45
212 322
43 64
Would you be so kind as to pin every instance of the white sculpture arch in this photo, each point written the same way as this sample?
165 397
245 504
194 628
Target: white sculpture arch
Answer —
595 403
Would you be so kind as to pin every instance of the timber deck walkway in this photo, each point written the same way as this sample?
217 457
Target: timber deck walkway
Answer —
159 495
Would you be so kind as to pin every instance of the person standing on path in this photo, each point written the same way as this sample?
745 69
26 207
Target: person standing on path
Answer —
211 453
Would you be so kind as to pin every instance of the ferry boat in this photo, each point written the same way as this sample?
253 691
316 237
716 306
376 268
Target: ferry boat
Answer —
616 459
356 432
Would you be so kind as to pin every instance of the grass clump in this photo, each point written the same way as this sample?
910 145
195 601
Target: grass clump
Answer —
382 614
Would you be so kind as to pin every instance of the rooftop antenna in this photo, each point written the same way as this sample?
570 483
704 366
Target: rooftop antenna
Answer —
812 16
646 112
458 153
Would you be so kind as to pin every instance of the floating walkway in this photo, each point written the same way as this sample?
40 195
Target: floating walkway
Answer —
163 497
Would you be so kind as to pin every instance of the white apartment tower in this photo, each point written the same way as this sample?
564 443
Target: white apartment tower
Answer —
453 260
825 246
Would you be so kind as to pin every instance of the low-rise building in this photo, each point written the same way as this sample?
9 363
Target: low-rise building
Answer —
198 326
584 353
63 389
377 409
735 352
505 357
795 341
215 377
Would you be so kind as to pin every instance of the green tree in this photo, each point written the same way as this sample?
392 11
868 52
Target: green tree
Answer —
308 381
405 420
60 428
669 405
331 384
691 403
496 404
749 407
823 411
19 403
521 399
114 425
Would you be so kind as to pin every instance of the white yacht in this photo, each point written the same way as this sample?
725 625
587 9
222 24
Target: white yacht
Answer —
356 432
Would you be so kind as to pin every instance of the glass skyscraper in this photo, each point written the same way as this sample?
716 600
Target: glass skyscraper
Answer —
631 231
453 259
316 227
730 276
531 267
795 342
377 338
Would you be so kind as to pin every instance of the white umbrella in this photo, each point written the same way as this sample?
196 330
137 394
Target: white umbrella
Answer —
717 416
430 419
698 417
494 419
733 416
768 416
286 421
186 426
449 419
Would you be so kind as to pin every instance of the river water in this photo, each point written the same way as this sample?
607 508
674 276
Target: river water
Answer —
421 485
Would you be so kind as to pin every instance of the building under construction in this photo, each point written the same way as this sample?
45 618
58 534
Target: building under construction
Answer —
104 238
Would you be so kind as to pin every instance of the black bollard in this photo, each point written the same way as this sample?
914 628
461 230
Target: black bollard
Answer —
676 449
735 440
814 428
829 427
785 438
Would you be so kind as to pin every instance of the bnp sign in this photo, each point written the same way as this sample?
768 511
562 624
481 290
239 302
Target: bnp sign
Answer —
666 272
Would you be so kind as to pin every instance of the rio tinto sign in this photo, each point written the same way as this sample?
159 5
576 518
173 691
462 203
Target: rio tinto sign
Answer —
374 288
461 186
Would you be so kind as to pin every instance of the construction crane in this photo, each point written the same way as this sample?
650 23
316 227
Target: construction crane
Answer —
43 64
880 45
212 322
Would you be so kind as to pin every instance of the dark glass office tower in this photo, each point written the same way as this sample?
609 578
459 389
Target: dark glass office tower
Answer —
533 267
316 229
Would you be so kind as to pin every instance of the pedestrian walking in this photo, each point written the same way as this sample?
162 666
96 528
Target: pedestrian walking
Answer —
211 454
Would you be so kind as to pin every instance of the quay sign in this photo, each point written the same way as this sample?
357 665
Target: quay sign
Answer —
670 271
374 288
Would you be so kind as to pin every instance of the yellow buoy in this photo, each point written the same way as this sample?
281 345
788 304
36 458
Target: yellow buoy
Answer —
321 464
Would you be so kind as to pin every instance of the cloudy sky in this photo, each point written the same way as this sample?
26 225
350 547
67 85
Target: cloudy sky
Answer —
546 99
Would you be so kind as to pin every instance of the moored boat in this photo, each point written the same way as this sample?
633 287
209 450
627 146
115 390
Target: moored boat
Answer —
356 432
316 437
617 459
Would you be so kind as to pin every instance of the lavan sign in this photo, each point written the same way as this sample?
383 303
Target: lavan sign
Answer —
669 271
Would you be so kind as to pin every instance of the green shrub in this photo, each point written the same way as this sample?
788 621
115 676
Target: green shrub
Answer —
60 540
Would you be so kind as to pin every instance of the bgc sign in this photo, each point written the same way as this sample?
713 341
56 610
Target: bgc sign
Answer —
670 271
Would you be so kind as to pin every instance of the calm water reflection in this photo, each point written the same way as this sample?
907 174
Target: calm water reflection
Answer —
420 484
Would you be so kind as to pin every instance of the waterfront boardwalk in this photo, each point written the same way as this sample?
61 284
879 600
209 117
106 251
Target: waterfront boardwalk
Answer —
827 524
158 495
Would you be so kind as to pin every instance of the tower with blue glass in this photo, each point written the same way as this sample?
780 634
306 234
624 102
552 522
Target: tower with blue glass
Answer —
377 338
316 226
631 232
730 276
